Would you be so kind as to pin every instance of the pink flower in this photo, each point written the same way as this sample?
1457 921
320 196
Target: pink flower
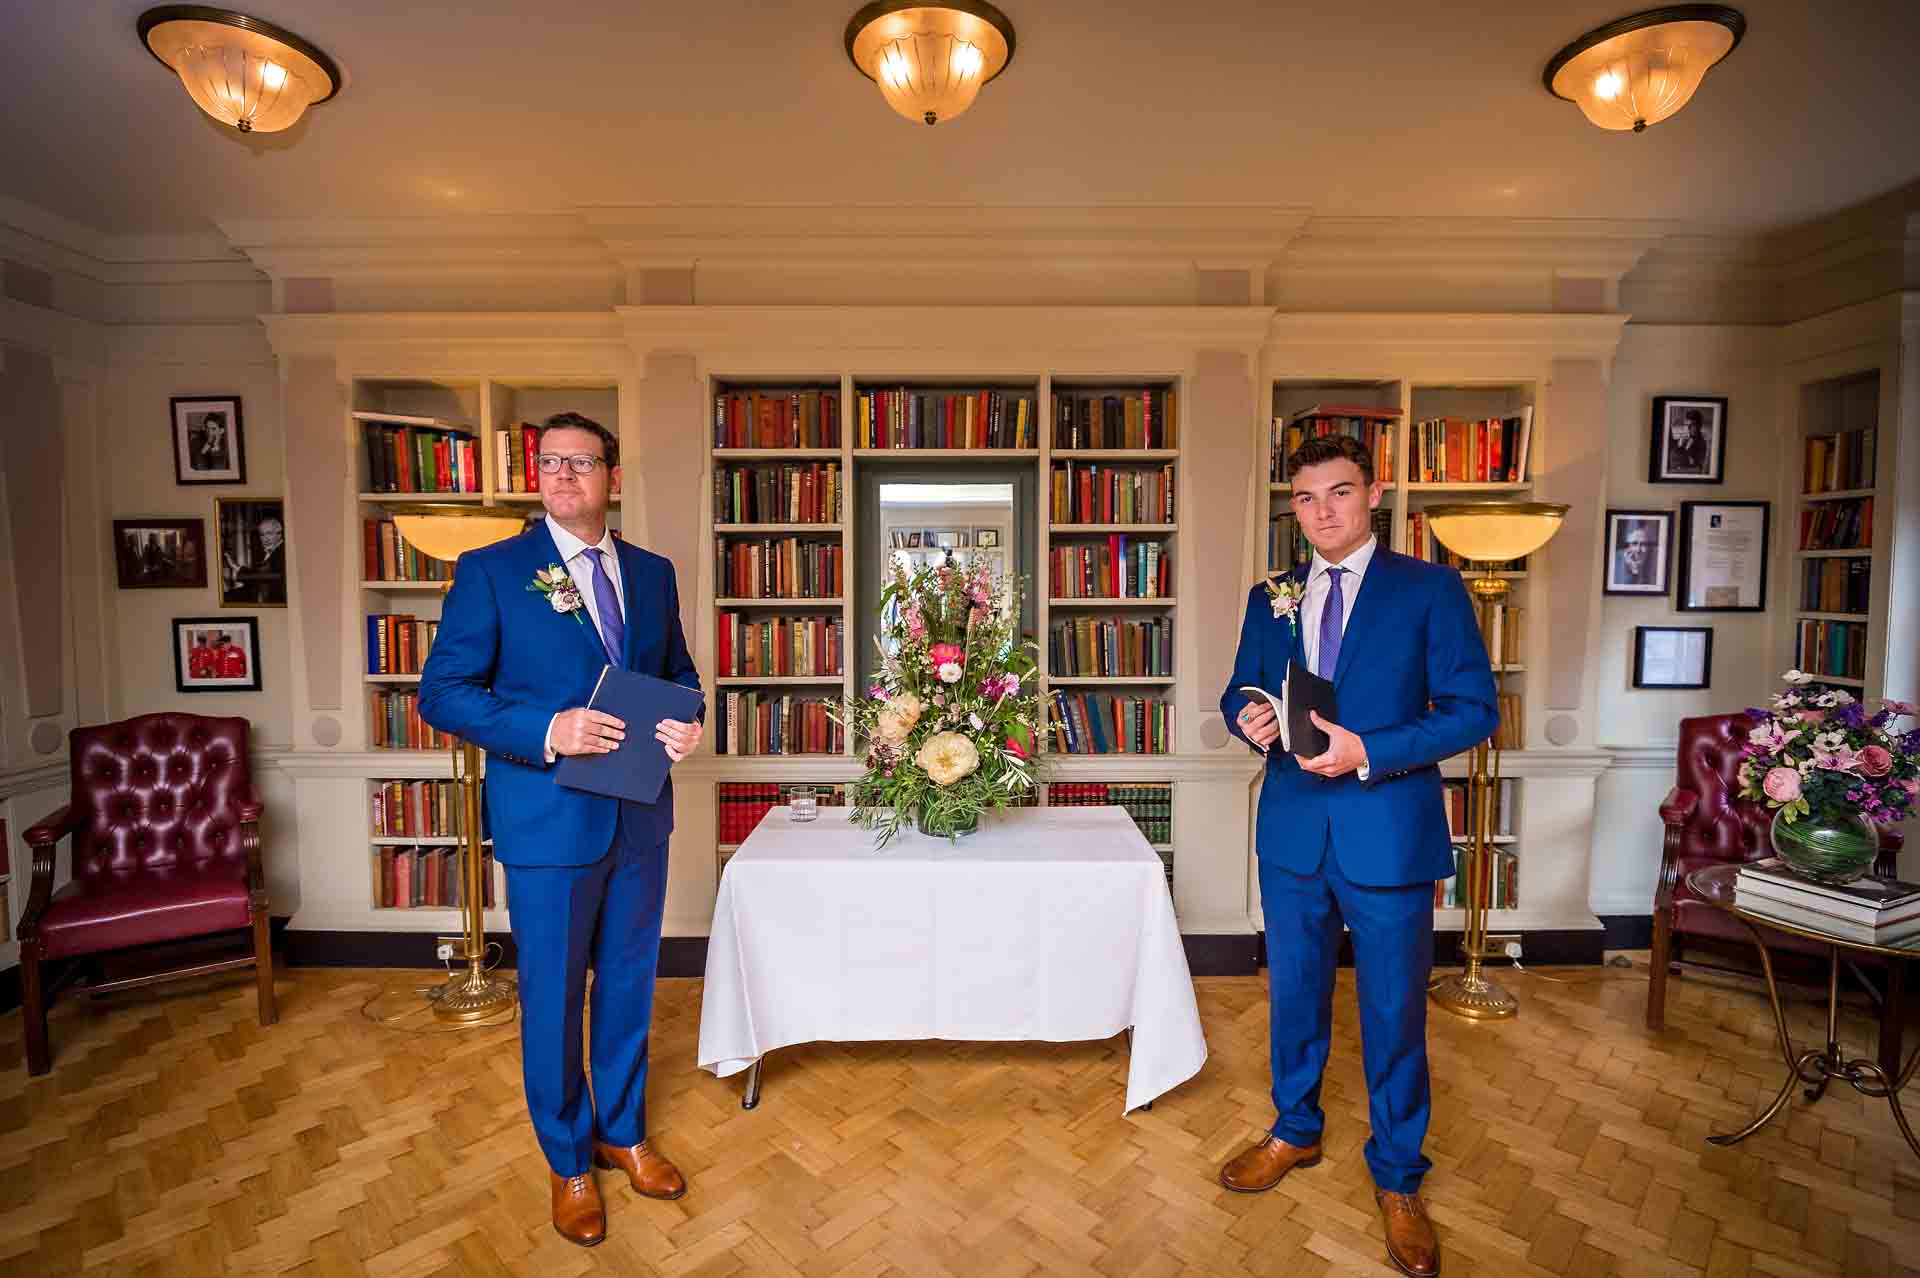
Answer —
1844 759
1782 785
1813 716
1912 786
1771 736
944 654
1015 748
1876 761
1897 707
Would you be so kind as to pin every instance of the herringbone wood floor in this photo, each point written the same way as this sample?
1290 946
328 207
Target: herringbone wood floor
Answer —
175 1136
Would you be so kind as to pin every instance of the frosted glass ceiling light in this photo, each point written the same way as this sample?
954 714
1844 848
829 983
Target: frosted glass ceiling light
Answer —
245 73
1640 70
930 60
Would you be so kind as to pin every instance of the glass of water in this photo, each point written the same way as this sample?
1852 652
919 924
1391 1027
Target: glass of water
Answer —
805 803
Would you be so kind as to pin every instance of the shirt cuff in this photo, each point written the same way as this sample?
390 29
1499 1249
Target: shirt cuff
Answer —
550 756
1363 772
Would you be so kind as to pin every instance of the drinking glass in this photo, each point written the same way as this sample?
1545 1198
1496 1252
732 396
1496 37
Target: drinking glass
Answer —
804 803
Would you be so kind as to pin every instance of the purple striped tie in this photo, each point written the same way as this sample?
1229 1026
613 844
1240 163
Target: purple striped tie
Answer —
613 627
1333 622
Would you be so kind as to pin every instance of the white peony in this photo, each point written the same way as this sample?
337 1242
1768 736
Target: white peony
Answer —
894 722
950 672
947 757
564 600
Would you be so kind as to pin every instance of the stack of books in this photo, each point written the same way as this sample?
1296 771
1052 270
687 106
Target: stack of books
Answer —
1876 911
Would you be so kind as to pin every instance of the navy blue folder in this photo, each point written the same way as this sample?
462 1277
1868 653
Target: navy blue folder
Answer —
636 768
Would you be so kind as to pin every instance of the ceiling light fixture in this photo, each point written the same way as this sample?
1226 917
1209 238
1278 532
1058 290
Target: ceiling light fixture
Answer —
930 60
245 73
1640 70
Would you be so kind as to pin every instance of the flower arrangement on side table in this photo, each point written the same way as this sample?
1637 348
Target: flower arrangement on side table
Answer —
951 722
1832 772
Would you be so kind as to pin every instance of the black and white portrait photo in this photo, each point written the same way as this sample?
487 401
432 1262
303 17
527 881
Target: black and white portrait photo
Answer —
253 553
207 443
1688 440
1638 551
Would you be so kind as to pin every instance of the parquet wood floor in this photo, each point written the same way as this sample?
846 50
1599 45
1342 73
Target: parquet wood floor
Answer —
175 1136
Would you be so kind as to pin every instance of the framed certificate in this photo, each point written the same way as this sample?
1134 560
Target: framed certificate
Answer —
1723 556
1672 656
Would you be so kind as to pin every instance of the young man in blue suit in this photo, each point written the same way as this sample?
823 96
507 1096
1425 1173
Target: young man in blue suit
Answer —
511 670
1356 834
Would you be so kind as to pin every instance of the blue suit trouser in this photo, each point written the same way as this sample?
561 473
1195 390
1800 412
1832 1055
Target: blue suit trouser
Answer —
1392 930
566 919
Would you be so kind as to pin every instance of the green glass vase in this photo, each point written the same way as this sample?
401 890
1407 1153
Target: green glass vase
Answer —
953 826
1826 846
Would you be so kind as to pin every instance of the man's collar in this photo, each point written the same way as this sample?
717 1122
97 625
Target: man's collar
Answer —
570 546
1355 563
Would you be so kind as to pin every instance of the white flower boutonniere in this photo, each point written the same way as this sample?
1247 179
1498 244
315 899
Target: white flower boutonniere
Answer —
1284 594
556 583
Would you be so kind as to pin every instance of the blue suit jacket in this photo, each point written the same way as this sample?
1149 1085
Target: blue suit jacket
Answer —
1413 681
504 663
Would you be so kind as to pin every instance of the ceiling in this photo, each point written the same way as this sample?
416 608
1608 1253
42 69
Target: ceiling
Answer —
1369 107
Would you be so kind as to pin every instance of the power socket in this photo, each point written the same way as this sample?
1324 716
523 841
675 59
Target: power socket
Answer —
450 949
1502 945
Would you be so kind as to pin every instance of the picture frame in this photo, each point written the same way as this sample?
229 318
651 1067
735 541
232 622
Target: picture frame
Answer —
209 442
160 554
1673 657
1687 440
913 540
1638 553
987 538
216 654
252 535
1723 556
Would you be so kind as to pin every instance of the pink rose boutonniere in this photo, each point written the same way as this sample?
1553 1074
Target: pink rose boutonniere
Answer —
1284 594
556 583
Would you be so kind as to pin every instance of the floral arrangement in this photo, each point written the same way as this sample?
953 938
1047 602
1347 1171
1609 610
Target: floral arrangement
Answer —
1284 592
951 721
1821 752
556 583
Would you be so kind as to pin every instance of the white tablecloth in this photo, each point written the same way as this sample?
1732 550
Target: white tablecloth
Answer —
1050 924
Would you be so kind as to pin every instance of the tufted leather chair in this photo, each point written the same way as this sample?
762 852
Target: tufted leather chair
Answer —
165 831
1708 823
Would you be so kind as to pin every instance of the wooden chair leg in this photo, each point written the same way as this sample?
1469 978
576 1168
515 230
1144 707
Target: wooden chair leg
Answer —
263 970
33 1014
1893 1017
1660 958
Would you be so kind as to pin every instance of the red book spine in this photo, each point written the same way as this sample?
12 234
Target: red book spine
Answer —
528 442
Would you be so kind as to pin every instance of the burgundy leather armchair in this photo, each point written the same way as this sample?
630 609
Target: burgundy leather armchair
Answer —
165 829
1708 823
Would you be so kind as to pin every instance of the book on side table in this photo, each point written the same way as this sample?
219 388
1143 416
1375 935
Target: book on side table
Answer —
1868 909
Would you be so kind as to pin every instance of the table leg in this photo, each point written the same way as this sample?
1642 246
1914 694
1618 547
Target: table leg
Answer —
752 1099
1796 1064
1819 1088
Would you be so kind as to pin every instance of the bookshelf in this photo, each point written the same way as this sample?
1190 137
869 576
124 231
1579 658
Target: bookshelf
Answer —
415 832
1838 595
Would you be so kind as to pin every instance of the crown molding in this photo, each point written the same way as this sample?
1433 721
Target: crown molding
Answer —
477 344
50 242
1398 339
455 248
1880 321
1027 330
55 334
1481 247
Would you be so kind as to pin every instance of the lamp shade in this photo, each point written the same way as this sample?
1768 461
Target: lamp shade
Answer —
446 531
245 73
1494 532
1640 70
930 60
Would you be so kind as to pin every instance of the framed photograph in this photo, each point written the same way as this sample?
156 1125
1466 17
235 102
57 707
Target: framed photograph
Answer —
1639 549
913 540
1723 556
160 554
1689 439
253 552
944 539
216 654
208 445
987 538
1672 656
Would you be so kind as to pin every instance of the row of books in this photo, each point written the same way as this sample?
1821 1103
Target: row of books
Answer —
1499 890
1422 544
1288 547
394 714
1506 623
386 556
1837 525
1136 419
1089 646
1122 568
1098 493
1832 648
1456 450
419 809
1373 427
514 450
754 722
1149 803
780 646
1458 799
1836 585
742 804
418 459
1837 462
1511 734
776 419
778 568
789 493
1874 910
1107 723
428 878
398 642
907 418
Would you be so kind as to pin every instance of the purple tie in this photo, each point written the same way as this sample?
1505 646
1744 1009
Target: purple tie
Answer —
1333 620
613 628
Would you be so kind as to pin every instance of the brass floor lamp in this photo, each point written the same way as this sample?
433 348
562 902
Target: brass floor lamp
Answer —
1486 534
445 531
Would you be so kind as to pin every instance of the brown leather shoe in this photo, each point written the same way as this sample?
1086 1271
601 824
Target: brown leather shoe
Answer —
578 1215
1261 1167
1411 1244
650 1175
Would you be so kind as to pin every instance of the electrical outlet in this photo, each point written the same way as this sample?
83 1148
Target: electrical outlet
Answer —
1502 945
450 949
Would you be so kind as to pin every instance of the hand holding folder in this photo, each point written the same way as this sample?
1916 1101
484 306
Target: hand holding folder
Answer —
1302 695
637 768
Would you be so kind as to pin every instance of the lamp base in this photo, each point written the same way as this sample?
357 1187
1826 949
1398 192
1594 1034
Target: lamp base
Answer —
1473 996
473 998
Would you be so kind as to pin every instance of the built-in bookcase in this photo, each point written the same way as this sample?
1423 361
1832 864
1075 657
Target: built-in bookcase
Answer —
1836 591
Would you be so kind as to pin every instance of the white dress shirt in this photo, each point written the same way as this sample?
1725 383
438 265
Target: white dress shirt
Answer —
573 553
1313 604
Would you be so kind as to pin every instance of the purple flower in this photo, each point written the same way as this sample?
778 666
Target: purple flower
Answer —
877 692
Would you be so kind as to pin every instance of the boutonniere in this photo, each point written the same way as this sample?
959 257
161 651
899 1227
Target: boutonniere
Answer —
1285 595
556 583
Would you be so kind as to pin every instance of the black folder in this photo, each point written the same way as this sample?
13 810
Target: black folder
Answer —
1307 692
637 767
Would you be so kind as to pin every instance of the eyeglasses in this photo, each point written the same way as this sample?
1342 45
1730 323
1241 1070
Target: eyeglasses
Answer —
579 463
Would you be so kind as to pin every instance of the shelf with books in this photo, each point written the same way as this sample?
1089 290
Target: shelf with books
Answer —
992 416
516 410
1844 553
415 838
1149 803
772 527
1109 648
775 454
1845 494
777 419
1107 494
1114 454
1104 418
946 454
1840 506
1106 723
1112 601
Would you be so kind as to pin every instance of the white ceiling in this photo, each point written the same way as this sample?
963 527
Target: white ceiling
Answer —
1354 108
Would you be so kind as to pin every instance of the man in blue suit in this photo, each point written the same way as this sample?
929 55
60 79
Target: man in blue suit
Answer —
512 669
1356 834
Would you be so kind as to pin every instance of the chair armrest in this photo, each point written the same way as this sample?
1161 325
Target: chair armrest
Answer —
249 808
44 838
1674 810
53 828
1678 805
